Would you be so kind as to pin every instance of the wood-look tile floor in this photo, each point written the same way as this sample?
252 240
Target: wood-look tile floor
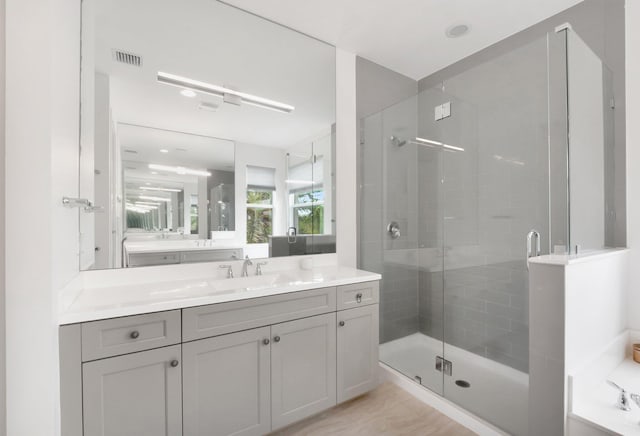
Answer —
387 410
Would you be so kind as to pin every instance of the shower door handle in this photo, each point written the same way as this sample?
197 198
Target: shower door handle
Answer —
531 251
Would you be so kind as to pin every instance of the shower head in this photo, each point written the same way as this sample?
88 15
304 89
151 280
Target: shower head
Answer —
396 141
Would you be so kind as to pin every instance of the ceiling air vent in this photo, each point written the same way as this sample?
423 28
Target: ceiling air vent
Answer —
127 58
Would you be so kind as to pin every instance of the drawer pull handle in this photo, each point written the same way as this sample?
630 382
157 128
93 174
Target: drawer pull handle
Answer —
174 363
359 297
341 323
276 339
134 334
265 341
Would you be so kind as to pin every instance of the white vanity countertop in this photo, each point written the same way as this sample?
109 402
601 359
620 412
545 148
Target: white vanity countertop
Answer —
97 303
140 247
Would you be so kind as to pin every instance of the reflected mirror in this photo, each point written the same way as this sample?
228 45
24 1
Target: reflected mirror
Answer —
207 134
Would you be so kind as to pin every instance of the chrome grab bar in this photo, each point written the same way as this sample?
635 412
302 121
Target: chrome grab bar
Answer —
532 234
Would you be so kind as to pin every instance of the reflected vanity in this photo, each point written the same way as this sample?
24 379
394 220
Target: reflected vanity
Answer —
211 153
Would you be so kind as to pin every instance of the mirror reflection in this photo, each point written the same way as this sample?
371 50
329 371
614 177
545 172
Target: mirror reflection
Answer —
207 133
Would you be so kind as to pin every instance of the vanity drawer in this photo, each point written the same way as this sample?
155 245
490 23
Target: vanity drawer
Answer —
148 259
358 294
129 334
218 319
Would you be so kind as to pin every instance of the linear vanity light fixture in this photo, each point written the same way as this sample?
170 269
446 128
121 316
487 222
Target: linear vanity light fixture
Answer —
146 197
151 188
438 144
180 170
222 92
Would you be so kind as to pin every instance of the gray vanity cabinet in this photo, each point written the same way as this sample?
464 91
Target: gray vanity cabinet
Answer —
303 368
357 356
241 368
137 394
226 384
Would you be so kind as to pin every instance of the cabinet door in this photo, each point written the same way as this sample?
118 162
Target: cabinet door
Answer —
357 351
137 394
226 384
303 368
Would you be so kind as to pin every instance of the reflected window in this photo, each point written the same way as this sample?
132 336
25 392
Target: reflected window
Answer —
193 213
307 210
259 216
261 187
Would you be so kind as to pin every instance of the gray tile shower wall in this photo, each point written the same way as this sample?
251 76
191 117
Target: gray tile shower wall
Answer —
483 309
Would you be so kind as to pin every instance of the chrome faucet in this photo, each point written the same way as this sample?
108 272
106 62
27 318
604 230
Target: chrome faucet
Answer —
247 262
259 268
229 270
623 399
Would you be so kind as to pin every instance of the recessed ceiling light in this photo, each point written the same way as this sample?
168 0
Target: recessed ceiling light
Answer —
164 150
457 30
188 93
154 172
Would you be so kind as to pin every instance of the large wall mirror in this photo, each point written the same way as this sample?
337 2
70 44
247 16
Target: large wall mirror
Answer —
207 133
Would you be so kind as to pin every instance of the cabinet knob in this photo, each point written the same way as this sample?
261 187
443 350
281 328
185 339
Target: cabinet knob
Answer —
341 323
134 334
265 341
174 363
359 297
276 339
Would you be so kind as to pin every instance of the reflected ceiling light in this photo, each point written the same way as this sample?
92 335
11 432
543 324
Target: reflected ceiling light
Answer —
164 150
508 160
188 93
223 92
147 197
457 30
151 188
144 206
154 172
430 143
180 170
206 106
137 209
147 203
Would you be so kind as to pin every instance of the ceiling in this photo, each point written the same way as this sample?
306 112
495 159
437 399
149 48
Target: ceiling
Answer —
219 44
407 36
143 144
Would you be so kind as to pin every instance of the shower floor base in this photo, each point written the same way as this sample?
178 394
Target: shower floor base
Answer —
495 392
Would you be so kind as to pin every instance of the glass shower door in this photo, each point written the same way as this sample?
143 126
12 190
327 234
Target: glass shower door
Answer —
401 236
495 191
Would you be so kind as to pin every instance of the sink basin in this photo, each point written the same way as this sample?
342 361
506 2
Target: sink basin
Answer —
249 283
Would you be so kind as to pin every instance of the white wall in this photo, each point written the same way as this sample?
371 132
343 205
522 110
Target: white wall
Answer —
346 152
576 309
42 52
2 222
633 156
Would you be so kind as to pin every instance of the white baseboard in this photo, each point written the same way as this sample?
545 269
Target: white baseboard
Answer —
441 404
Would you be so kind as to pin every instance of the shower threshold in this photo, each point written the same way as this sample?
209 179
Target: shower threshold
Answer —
495 392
